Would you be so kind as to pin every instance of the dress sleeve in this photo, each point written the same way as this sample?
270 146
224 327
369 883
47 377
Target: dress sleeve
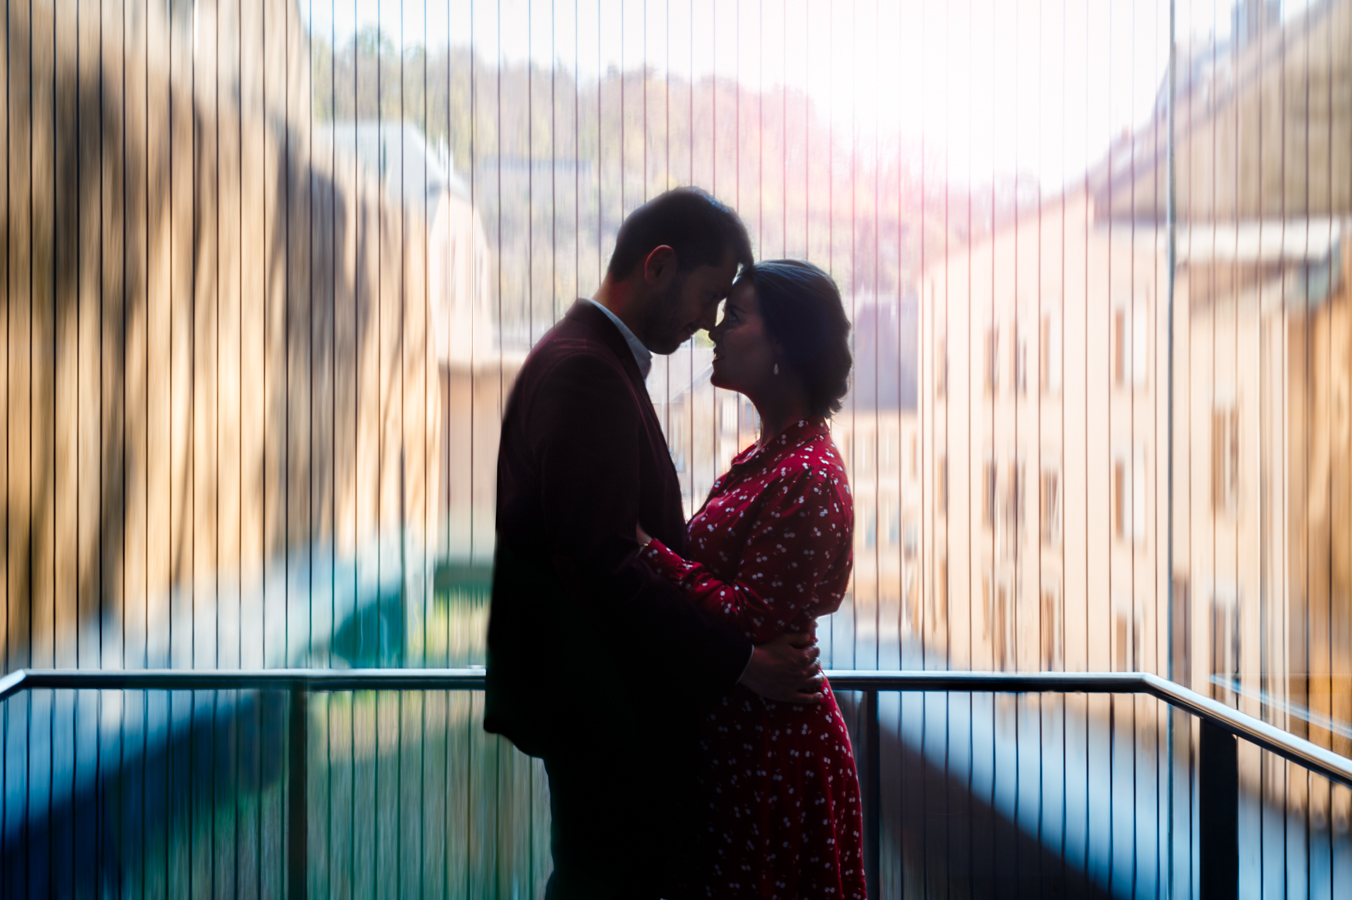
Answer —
799 534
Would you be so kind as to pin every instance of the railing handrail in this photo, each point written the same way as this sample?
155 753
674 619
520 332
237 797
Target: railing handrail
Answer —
468 679
1271 738
1298 750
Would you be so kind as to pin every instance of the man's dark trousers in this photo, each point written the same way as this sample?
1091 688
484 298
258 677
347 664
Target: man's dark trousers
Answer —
621 823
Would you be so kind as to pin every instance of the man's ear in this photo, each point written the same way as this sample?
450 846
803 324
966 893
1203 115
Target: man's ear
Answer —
660 265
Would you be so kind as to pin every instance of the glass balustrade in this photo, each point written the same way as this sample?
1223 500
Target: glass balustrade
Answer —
270 268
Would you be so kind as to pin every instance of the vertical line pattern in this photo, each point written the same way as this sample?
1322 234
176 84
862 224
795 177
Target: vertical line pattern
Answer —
1226 484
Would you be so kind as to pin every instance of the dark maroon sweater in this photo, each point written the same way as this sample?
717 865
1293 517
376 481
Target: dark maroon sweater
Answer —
584 638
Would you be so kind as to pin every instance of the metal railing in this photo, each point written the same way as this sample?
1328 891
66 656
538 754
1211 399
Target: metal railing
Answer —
1219 782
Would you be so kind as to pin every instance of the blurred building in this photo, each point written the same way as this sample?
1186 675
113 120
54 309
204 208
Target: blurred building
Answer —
1262 557
475 372
423 181
1045 402
1040 381
877 432
215 391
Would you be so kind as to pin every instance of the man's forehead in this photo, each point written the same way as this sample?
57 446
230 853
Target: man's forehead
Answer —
720 274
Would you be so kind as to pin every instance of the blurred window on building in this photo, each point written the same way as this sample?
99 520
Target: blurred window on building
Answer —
1130 344
915 456
910 597
989 498
1139 486
1182 606
939 614
1050 627
992 356
1225 460
1050 506
1129 487
1119 347
1049 354
941 368
998 620
1126 637
941 483
1016 500
1020 352
1120 490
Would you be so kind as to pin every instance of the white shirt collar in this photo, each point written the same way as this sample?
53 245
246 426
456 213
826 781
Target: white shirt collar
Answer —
642 355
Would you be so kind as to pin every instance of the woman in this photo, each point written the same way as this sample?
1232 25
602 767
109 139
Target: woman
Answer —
770 551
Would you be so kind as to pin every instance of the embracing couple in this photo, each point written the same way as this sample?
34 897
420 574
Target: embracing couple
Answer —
666 672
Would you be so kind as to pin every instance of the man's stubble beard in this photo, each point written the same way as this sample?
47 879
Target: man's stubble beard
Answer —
665 330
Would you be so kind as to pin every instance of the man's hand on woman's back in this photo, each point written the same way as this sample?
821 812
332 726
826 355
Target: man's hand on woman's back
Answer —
785 669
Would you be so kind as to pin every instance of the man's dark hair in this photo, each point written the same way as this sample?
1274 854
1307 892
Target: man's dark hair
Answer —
692 222
802 310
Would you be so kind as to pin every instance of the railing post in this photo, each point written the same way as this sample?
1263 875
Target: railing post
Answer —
298 805
1218 813
870 789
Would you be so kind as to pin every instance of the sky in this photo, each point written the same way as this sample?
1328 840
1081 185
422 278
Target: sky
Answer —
992 86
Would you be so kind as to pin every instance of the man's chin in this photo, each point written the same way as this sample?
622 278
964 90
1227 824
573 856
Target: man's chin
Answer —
668 347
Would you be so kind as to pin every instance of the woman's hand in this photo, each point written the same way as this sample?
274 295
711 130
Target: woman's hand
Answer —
643 537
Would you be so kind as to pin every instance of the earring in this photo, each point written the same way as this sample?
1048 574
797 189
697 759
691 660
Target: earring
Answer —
776 368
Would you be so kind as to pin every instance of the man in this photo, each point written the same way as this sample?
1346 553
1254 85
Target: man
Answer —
595 663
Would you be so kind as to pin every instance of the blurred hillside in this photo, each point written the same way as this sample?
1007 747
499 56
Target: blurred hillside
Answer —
556 161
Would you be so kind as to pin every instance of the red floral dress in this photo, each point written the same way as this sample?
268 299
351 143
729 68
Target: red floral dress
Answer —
770 551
